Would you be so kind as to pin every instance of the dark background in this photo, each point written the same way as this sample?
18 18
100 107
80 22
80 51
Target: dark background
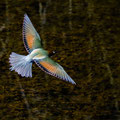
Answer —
86 36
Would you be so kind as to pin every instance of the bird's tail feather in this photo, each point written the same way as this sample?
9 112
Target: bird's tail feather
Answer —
21 64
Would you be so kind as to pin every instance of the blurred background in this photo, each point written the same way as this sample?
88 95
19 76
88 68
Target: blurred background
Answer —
86 36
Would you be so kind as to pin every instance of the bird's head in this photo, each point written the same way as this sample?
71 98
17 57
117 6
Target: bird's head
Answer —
52 53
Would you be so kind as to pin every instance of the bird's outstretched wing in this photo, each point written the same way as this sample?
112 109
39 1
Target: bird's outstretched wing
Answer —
30 36
54 69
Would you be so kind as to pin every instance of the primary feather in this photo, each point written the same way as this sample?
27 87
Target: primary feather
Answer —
54 69
31 38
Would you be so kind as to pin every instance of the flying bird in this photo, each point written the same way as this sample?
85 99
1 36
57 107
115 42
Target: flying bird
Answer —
23 64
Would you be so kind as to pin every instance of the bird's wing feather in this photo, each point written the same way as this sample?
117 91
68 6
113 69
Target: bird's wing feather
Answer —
54 69
31 38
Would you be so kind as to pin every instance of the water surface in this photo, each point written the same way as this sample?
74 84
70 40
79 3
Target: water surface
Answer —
86 36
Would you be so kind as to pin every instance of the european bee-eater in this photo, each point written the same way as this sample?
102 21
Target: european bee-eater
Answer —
32 42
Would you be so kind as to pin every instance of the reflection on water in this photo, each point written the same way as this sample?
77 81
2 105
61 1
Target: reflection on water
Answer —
70 13
85 35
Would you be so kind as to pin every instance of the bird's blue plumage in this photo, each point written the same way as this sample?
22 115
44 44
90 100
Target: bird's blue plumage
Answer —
20 64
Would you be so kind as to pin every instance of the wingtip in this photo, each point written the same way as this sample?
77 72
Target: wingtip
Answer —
72 82
25 14
69 79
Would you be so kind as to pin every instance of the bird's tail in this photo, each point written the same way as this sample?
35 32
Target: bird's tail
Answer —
21 64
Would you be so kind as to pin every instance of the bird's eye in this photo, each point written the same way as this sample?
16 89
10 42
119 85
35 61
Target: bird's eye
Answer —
54 52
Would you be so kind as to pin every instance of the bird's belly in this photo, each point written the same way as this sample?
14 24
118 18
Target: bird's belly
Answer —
38 57
38 54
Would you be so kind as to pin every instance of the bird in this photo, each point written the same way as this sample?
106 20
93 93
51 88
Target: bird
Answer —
36 53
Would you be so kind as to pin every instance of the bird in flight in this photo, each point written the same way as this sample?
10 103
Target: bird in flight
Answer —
23 64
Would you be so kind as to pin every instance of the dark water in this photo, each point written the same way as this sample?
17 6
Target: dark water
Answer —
86 36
